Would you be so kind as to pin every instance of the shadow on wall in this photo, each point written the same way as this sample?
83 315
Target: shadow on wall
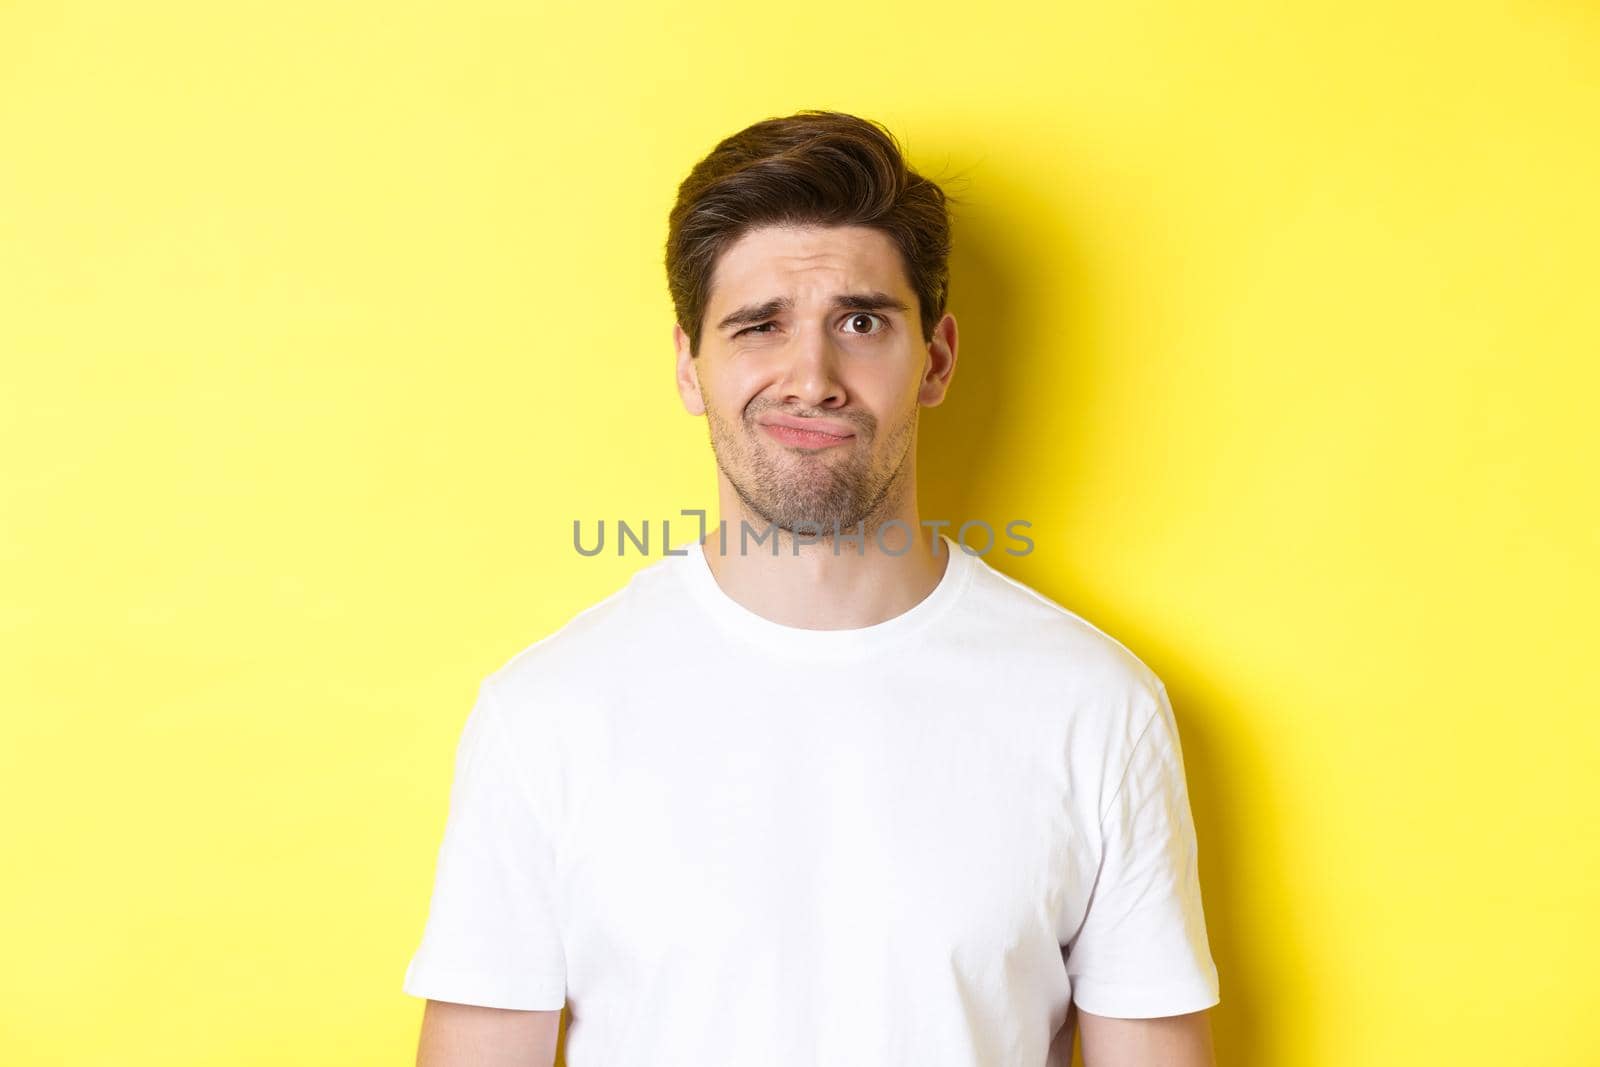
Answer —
1020 280
957 446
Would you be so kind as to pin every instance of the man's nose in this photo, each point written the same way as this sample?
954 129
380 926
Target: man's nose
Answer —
811 373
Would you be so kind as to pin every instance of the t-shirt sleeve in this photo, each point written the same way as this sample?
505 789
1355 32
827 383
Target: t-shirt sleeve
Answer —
492 936
1141 951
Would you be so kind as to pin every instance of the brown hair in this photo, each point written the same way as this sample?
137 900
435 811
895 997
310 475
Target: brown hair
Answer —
814 167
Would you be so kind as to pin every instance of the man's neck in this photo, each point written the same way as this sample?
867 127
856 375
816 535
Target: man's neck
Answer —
824 584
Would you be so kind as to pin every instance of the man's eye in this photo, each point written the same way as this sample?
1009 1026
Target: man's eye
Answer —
856 319
759 327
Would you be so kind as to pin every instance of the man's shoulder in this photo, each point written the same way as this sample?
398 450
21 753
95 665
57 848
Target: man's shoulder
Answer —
1017 619
1057 663
596 642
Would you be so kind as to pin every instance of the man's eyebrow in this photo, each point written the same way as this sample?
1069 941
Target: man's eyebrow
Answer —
873 301
751 313
870 301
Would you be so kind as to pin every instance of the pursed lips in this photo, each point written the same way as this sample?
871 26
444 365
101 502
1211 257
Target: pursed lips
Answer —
806 433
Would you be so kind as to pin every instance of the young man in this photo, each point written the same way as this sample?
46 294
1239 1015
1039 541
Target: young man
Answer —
817 799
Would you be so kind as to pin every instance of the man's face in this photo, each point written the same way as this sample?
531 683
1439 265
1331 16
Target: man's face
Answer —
816 327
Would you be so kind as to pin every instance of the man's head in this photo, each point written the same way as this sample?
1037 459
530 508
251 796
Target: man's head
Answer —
809 270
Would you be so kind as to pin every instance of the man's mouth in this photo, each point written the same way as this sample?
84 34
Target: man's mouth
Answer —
795 437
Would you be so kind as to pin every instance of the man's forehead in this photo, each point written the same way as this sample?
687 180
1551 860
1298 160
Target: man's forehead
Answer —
849 257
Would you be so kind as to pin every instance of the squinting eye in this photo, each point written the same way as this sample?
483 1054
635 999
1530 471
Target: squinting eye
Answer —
869 317
751 329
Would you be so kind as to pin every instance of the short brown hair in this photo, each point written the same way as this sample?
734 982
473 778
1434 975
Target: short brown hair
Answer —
814 167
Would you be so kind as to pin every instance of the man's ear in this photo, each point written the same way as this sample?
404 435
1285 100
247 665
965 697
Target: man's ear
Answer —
688 380
941 362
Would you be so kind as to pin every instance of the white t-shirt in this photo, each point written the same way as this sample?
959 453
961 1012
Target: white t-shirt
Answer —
723 840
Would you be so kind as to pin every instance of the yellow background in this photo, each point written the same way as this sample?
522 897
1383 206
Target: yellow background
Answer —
320 324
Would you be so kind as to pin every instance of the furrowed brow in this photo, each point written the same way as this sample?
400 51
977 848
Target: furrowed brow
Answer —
752 313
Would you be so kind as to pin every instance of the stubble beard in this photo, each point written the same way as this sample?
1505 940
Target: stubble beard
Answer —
813 493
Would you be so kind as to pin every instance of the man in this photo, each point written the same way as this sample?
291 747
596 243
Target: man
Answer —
857 798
